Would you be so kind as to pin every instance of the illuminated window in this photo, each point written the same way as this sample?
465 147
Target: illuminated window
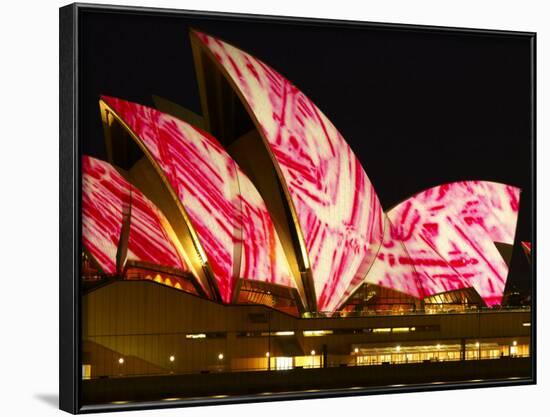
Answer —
400 329
86 371
283 363
514 348
285 333
279 333
311 333
381 330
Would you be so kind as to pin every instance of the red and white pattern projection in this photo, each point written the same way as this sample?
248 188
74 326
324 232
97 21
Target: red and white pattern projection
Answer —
206 181
393 268
337 208
263 258
449 233
105 195
149 240
108 200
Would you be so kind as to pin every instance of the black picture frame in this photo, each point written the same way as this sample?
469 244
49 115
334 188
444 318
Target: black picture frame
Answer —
70 123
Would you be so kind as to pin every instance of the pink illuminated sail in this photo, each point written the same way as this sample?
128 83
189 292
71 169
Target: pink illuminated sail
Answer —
109 202
393 267
481 205
338 211
207 182
449 231
203 178
434 274
263 258
105 196
149 240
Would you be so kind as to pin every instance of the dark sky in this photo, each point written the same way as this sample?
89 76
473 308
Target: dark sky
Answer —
418 107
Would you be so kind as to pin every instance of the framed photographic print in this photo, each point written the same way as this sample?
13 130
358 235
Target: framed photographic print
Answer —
257 208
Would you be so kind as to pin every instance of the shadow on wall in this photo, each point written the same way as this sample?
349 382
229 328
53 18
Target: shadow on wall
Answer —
49 399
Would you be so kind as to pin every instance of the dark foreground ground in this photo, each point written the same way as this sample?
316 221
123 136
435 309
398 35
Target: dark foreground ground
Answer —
198 387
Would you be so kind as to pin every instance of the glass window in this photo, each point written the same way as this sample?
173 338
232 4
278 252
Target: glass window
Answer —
283 362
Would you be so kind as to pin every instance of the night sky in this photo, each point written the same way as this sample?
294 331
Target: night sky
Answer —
419 108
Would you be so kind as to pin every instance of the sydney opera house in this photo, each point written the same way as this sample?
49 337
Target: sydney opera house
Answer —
249 241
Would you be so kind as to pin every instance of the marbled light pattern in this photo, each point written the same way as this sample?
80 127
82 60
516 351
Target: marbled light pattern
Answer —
337 208
263 258
481 205
205 179
149 239
434 274
459 223
392 267
107 200
105 195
